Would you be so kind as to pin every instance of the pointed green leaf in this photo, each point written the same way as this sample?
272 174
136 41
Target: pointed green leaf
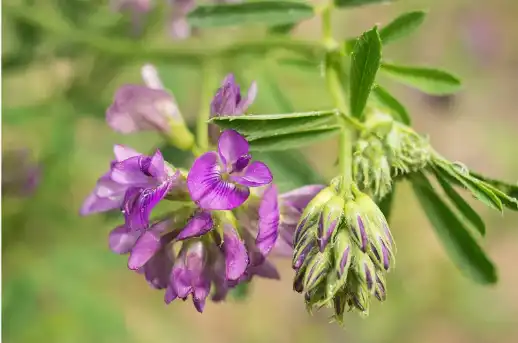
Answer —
505 191
365 62
293 140
266 125
428 80
467 211
397 110
265 12
477 188
355 3
402 26
463 249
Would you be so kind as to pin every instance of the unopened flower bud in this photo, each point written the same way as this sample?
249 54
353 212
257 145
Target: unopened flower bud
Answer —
379 123
342 254
408 150
365 272
371 167
311 214
356 225
316 270
330 218
379 290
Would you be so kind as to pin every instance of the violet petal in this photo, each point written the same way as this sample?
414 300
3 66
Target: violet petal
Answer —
255 175
145 247
198 225
268 221
232 146
122 239
236 257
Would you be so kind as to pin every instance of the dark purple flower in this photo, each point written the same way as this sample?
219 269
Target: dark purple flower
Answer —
228 102
190 276
20 175
135 183
221 180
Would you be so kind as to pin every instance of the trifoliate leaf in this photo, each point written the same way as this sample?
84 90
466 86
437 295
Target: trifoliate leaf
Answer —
264 12
365 62
463 249
428 80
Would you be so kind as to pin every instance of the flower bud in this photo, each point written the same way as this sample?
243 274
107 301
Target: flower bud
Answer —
330 218
408 150
356 225
365 272
379 291
379 123
316 270
371 167
342 254
311 214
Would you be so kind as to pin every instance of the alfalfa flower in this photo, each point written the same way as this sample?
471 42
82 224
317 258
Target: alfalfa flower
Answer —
149 108
228 101
135 183
221 180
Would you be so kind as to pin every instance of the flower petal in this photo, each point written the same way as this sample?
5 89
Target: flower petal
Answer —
121 239
139 203
95 204
123 152
266 270
145 247
255 175
236 257
248 100
268 221
232 146
198 225
209 190
131 171
157 269
226 99
157 166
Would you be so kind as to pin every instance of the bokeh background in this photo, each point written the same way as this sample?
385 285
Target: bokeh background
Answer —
60 282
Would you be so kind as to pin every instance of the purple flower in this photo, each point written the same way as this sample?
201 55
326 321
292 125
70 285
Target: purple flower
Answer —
135 183
20 175
221 180
228 102
141 108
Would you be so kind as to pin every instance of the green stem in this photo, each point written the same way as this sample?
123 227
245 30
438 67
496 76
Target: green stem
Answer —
188 52
337 92
208 85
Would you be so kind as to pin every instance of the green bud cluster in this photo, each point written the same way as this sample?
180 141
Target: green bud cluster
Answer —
387 149
343 250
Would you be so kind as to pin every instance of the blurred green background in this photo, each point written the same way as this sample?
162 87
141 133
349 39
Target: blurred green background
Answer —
60 282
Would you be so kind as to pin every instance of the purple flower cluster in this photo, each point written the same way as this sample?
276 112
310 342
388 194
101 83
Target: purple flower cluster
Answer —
232 220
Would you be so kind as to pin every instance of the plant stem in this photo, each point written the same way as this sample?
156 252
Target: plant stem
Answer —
208 83
337 92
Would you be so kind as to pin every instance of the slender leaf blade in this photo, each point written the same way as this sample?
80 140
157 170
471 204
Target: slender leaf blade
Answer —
397 110
293 140
464 208
365 62
462 248
265 12
266 125
402 26
478 189
356 3
428 80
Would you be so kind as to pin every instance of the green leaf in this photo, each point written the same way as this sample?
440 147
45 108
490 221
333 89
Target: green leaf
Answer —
301 64
365 62
266 12
282 29
467 211
397 110
506 192
293 140
266 125
402 26
387 202
355 3
477 188
428 80
460 245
